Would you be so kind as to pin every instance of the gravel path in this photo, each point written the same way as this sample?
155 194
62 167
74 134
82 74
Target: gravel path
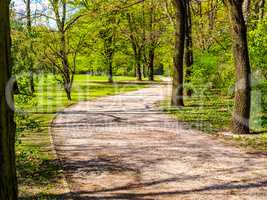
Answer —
122 147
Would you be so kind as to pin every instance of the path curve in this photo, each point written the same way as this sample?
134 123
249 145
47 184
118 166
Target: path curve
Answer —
121 147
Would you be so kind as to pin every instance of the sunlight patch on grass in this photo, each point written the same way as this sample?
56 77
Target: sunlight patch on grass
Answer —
211 111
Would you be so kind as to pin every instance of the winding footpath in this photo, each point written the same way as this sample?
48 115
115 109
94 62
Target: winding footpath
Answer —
123 147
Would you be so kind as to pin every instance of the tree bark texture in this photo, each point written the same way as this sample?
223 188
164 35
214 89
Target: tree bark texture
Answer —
8 180
241 113
178 80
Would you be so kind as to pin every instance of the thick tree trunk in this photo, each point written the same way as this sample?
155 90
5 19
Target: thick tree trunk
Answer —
188 48
177 85
151 64
8 180
241 114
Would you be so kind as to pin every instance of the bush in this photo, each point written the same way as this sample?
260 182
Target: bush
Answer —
213 71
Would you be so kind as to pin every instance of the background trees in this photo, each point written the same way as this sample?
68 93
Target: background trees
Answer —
138 38
8 182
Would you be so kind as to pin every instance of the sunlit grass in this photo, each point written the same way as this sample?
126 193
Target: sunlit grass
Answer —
210 112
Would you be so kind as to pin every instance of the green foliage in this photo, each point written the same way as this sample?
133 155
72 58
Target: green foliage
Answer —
258 47
25 122
213 70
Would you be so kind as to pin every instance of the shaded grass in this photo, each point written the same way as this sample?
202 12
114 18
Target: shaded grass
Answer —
210 112
205 112
38 169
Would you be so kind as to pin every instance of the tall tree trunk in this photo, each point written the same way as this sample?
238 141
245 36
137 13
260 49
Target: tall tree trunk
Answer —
177 84
29 30
138 65
109 53
241 114
8 180
151 64
144 63
188 48
137 49
63 52
151 43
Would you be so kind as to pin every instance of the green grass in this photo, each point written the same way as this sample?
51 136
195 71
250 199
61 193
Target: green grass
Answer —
210 112
39 173
206 112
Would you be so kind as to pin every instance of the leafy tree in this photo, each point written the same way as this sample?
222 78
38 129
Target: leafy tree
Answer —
57 50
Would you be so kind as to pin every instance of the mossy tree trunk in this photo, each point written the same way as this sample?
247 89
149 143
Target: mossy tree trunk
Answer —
241 113
178 80
8 181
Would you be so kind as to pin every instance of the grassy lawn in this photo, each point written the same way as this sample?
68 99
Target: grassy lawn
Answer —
39 173
210 112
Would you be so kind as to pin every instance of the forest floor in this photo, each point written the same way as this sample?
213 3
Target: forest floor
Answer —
125 147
